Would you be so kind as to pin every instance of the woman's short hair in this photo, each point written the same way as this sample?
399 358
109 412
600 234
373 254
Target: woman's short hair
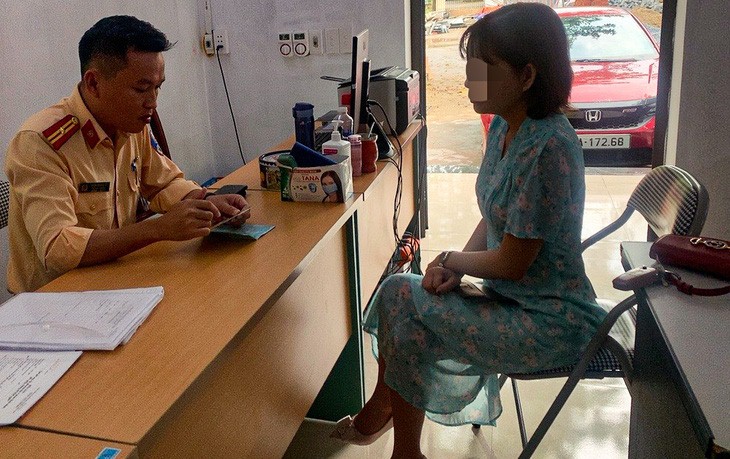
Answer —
521 34
109 40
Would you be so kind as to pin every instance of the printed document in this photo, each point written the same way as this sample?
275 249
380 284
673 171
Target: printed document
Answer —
26 376
99 320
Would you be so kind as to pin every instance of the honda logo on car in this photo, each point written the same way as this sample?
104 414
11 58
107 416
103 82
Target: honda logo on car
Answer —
593 116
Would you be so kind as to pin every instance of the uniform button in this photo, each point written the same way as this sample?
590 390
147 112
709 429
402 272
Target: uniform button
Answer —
93 207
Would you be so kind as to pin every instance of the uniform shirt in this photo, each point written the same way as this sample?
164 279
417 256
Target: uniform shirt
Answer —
67 178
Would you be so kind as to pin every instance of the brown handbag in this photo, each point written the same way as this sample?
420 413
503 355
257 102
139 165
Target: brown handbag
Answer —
696 253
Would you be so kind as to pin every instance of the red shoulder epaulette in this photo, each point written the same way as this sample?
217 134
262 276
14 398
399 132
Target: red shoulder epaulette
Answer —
61 131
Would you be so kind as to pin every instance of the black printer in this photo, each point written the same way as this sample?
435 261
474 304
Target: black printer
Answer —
397 90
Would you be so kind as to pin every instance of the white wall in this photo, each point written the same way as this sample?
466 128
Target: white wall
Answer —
264 85
702 134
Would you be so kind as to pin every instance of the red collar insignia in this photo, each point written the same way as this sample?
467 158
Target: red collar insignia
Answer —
90 135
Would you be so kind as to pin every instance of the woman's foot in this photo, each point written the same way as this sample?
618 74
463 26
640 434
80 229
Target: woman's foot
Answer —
346 431
369 424
373 416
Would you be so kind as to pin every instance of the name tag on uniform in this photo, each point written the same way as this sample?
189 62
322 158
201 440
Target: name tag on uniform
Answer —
93 187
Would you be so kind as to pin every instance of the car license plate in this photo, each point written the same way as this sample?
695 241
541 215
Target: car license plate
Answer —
616 141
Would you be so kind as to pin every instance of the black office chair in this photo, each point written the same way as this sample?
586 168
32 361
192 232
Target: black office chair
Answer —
671 201
4 203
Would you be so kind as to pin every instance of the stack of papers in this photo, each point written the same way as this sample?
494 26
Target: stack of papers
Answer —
91 320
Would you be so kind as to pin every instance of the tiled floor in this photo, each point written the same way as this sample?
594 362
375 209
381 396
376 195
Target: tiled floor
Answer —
595 420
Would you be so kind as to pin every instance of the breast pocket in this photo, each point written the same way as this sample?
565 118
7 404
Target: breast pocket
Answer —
94 210
133 179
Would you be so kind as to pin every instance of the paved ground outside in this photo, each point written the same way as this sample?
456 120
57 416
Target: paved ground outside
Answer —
455 137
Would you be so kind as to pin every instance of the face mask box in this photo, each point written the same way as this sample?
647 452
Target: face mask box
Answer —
331 183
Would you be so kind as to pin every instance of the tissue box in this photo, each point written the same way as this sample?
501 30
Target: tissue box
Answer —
329 183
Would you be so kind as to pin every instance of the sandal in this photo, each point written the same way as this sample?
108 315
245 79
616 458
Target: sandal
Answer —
345 431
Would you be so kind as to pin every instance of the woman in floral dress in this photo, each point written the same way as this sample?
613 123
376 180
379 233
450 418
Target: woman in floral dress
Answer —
439 349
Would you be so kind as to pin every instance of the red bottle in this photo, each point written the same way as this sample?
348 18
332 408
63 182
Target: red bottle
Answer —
369 153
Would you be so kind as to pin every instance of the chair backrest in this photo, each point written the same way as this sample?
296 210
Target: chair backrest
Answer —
159 133
670 199
4 203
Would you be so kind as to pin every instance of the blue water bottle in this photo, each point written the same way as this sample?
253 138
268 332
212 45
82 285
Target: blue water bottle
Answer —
304 123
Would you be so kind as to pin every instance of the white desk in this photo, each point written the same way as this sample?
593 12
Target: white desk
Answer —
680 403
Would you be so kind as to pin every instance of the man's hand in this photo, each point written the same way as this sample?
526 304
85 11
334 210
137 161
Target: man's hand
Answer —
187 219
228 205
190 218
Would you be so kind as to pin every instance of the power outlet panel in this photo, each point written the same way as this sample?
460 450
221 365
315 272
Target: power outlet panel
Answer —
208 44
220 40
300 41
345 41
316 46
332 41
284 42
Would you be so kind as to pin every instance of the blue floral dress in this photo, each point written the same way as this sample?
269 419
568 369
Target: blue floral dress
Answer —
443 352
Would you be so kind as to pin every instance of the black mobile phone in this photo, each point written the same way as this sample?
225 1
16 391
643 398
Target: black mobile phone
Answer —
232 189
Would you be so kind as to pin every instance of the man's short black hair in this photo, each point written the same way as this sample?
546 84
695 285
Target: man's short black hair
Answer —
111 38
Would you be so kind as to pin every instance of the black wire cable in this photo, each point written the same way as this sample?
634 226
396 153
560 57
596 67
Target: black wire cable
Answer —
415 265
408 242
399 167
230 107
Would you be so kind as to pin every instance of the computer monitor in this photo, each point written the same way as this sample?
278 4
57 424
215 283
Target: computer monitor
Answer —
363 96
363 121
358 81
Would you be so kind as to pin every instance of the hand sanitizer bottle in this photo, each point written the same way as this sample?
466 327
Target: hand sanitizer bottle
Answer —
336 146
347 122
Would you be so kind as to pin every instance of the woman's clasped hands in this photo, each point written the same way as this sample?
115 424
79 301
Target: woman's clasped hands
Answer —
438 280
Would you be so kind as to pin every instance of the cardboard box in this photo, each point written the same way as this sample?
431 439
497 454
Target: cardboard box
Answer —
331 183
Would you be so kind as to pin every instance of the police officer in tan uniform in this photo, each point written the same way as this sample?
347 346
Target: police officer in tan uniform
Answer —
77 169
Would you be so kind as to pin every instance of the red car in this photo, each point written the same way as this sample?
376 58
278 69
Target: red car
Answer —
615 63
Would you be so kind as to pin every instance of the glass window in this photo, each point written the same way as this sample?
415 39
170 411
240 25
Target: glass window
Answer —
607 38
